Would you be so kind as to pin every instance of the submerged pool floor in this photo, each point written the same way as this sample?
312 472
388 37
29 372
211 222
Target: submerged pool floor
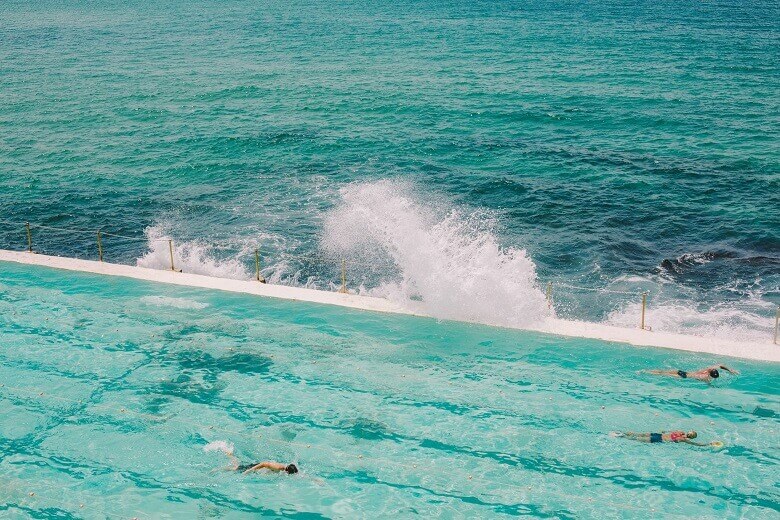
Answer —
112 387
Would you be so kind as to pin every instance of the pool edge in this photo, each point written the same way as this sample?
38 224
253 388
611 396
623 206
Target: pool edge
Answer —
553 326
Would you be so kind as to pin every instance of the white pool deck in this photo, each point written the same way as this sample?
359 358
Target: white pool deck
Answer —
580 329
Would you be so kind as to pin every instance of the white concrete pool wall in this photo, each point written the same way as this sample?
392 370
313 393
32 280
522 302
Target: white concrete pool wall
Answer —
580 329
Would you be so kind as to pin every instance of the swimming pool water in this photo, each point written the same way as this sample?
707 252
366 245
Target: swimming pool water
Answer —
112 387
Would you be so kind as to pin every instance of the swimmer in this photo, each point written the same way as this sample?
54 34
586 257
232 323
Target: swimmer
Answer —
675 436
235 464
707 375
290 469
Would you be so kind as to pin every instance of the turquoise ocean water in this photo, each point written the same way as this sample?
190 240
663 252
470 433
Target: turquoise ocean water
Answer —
625 147
111 388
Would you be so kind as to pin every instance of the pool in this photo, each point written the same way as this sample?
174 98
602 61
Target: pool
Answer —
112 387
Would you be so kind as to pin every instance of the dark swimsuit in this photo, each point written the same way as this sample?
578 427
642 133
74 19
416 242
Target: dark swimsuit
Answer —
245 467
682 373
656 437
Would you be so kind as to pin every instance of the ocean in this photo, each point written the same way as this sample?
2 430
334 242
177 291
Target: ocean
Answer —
459 154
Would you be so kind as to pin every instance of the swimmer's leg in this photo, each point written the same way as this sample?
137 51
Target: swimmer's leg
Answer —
227 449
641 437
671 373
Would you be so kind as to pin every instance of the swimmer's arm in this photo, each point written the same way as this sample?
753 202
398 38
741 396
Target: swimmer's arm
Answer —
700 444
727 369
273 466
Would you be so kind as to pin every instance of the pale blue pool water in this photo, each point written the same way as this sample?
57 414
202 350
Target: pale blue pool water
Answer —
112 387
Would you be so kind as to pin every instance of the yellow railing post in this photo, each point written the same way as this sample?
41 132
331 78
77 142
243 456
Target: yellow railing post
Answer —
170 249
644 305
100 247
257 267
29 237
548 295
343 277
777 324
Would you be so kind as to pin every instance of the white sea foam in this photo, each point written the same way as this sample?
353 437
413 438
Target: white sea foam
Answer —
199 257
432 258
223 446
449 263
179 303
727 321
190 257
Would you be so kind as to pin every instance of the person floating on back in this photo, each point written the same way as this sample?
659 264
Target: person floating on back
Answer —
235 464
674 436
707 375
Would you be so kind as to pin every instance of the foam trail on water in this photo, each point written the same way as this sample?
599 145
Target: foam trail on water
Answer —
449 262
190 257
223 446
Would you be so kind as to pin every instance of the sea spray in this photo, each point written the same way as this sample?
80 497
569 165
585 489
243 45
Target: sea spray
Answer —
447 262
727 320
201 257
190 257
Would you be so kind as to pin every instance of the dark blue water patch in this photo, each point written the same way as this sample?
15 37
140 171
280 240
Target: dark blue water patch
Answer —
186 387
760 411
156 404
42 513
758 457
210 366
229 330
368 429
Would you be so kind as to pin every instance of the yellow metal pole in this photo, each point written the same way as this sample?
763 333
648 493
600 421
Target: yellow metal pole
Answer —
29 237
343 277
257 267
777 323
549 295
170 249
100 247
644 305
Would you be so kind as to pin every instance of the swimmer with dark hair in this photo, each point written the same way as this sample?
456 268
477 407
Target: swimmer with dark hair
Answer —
290 469
235 464
708 375
675 436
